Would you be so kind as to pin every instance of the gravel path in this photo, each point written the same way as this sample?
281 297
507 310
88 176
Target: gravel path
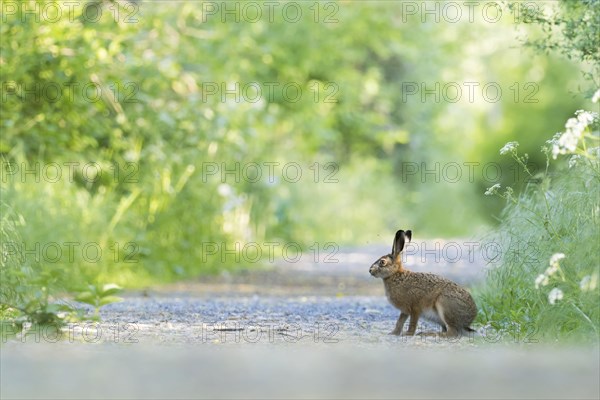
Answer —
276 320
292 330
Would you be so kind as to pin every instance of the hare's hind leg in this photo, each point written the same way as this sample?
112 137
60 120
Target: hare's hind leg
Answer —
399 324
450 327
447 328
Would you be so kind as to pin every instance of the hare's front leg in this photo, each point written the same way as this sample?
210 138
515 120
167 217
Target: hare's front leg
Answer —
399 324
412 325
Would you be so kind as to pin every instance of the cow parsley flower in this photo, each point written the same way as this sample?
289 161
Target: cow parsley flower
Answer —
541 280
509 147
589 283
555 295
551 270
556 257
544 279
554 264
586 117
492 190
567 142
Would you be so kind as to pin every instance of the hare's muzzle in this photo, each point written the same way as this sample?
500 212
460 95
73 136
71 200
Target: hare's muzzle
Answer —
373 269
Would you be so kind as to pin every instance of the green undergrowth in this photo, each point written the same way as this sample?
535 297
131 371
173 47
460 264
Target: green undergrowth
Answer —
547 279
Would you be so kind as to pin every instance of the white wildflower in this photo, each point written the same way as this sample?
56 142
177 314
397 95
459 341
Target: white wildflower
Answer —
596 96
541 280
509 147
567 141
586 117
555 295
544 279
556 257
492 190
589 283
571 123
551 270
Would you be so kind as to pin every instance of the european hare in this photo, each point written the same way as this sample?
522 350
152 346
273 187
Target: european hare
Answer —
417 294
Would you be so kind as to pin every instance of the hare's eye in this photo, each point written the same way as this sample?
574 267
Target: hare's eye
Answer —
381 263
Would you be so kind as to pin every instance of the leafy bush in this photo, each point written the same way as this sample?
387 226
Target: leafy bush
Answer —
571 29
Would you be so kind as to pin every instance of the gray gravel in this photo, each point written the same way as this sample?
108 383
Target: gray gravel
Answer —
274 320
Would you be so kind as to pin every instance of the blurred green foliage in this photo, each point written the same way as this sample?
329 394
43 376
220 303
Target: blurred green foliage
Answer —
547 279
141 91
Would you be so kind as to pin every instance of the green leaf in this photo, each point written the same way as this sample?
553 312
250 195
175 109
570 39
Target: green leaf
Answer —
110 289
110 299
86 297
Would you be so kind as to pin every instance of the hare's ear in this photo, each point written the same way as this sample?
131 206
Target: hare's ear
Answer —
398 243
408 234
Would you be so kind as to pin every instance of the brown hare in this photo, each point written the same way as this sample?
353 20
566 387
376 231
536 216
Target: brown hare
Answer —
417 294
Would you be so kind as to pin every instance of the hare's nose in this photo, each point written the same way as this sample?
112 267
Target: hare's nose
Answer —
371 269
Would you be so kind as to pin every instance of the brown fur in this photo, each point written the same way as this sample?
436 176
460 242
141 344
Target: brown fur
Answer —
430 296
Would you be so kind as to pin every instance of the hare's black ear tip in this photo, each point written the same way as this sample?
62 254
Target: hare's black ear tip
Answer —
408 234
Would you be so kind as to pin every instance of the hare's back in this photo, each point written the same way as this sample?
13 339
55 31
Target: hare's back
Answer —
436 284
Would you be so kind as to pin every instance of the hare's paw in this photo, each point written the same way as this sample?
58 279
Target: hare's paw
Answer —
428 334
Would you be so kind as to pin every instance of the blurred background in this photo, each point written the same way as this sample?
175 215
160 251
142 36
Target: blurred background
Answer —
153 128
